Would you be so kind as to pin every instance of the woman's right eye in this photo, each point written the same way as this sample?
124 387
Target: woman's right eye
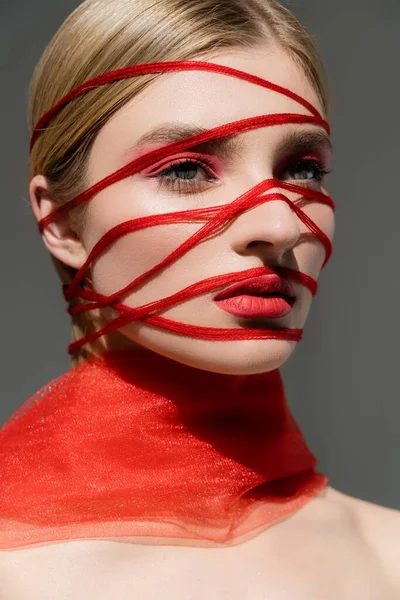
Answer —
186 176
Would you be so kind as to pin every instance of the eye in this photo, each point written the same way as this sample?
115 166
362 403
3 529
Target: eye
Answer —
187 170
308 170
186 175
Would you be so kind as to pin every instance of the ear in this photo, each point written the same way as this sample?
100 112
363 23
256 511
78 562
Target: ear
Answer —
61 241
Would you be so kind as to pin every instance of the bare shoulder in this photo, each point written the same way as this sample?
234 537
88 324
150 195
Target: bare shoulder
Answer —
379 526
336 546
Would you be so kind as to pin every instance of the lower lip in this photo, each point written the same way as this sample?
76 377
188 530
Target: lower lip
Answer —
256 306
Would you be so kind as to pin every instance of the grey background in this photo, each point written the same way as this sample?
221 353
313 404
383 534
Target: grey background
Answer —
342 381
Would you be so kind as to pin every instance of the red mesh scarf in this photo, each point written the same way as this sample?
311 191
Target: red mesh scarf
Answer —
135 444
109 450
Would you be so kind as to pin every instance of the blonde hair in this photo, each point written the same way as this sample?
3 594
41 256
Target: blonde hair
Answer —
101 36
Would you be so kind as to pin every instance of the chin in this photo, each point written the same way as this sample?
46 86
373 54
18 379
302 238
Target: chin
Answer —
235 357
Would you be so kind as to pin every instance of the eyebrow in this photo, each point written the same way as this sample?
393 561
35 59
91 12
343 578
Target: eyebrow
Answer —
301 140
171 132
304 140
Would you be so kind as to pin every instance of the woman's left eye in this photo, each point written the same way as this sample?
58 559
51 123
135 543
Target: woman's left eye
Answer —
307 170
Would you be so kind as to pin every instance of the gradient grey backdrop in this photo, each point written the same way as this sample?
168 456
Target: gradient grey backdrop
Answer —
343 379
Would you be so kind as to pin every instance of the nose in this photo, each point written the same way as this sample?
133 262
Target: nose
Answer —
270 228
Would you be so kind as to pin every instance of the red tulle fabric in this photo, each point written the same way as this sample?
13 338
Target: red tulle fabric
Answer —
134 444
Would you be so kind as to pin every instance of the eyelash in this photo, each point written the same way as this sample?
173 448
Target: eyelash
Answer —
187 186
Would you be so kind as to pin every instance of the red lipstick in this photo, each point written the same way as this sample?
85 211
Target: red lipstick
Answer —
264 296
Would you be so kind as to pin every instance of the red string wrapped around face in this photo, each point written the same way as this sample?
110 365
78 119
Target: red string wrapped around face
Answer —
214 216
109 451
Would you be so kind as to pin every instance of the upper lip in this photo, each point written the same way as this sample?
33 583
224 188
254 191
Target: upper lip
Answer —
263 284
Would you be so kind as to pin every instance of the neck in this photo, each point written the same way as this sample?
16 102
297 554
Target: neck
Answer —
135 444
244 417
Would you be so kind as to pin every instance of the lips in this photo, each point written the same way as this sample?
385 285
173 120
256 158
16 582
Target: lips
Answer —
264 285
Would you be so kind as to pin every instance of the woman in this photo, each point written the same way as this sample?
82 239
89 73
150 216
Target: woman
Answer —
167 456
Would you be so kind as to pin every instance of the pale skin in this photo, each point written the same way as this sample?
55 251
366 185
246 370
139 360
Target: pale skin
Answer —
336 546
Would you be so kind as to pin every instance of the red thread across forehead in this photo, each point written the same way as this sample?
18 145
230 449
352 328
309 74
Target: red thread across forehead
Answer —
213 216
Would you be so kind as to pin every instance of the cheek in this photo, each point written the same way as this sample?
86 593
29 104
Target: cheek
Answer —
136 252
310 253
131 256
321 214
129 199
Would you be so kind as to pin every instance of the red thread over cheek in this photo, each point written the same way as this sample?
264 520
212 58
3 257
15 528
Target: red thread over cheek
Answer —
213 217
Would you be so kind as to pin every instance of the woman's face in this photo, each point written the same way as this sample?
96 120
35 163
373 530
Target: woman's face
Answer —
269 234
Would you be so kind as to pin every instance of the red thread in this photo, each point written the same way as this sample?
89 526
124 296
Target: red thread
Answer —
151 157
159 67
214 217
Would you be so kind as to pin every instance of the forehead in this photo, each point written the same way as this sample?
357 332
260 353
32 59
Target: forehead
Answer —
210 99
